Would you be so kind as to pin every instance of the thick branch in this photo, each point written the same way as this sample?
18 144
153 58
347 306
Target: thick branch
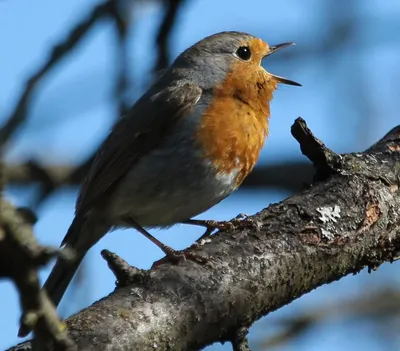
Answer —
343 223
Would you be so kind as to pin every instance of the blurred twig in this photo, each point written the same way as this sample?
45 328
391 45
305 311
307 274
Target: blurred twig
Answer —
164 33
20 258
18 116
378 306
120 12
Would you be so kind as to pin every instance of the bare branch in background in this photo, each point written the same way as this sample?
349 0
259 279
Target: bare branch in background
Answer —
120 12
60 51
164 33
20 258
380 307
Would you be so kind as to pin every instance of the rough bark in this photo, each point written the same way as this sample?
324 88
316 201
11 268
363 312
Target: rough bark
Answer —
347 220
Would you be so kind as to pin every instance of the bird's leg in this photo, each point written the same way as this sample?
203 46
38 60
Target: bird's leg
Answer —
174 256
240 221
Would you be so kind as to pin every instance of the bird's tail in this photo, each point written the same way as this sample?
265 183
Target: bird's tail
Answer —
60 277
63 271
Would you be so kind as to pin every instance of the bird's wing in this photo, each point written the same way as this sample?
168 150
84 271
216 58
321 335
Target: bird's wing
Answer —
135 135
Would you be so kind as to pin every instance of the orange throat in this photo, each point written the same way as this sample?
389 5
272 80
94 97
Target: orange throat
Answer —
235 125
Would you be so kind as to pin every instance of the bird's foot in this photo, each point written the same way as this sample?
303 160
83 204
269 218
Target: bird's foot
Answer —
177 256
240 221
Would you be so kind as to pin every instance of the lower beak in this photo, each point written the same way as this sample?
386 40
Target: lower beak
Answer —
273 49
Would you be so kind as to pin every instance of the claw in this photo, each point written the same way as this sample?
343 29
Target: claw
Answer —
177 256
240 221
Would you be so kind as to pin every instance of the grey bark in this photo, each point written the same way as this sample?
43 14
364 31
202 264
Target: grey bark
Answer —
348 220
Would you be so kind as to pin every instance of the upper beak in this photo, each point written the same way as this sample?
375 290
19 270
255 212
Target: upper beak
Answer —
273 49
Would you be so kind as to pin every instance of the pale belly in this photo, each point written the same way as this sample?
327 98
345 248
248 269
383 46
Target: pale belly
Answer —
169 186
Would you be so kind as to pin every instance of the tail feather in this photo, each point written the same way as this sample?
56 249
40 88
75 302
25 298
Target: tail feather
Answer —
60 277
63 271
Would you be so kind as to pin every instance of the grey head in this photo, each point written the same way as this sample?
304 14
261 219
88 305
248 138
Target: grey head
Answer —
208 61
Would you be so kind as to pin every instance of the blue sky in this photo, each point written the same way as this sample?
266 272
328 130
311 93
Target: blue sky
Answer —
349 99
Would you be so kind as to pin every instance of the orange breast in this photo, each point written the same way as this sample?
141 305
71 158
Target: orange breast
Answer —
235 125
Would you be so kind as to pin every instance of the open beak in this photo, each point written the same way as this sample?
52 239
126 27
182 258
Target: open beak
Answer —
273 49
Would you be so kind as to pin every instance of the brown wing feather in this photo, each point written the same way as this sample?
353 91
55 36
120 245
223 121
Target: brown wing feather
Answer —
135 135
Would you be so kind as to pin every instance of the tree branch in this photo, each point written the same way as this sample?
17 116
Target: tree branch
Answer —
346 221
20 258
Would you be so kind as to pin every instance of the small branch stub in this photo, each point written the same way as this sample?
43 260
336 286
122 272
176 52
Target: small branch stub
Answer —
124 273
325 160
239 341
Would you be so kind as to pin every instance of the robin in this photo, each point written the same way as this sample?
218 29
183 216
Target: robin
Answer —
184 146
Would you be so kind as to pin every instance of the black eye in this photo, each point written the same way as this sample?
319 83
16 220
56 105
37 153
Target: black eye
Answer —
244 53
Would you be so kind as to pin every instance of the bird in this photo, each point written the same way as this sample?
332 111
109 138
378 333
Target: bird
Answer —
183 147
